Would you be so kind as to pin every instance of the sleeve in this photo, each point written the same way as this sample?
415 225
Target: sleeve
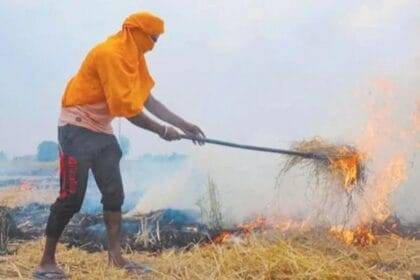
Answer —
121 84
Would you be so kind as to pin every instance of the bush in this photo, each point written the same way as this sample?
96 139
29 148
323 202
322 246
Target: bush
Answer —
47 151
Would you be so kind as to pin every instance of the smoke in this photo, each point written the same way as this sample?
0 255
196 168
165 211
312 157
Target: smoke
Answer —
180 191
385 113
242 178
381 118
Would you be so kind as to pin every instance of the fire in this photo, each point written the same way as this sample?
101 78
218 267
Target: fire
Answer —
222 237
385 183
361 235
386 142
259 223
347 168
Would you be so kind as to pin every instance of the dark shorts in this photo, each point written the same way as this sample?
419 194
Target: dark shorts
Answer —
82 150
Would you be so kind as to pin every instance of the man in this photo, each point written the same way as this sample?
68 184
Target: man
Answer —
113 81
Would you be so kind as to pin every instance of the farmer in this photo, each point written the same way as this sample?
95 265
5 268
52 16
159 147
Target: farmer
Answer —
113 81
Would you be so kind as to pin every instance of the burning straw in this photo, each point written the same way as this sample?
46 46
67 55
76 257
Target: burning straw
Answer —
335 172
336 164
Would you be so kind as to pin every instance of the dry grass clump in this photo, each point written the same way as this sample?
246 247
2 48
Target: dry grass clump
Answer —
343 164
300 257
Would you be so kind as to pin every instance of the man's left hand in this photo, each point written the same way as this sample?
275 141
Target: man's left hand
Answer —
195 132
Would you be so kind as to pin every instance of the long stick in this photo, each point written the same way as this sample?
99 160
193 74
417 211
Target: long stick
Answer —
256 148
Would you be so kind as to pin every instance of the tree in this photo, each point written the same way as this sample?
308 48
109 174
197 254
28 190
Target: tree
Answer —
124 144
47 151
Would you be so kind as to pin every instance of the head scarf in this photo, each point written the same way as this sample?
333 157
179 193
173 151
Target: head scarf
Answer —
140 27
121 68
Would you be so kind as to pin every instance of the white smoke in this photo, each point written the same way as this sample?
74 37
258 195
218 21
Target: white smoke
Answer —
247 179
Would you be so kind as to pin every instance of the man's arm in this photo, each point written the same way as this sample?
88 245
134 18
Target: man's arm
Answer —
155 107
165 132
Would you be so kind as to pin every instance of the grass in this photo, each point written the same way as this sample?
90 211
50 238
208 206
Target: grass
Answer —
272 256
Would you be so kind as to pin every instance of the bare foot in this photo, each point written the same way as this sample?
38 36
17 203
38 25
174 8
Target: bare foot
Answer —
49 271
121 262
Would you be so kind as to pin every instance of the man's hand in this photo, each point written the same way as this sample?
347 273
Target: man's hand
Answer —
193 131
169 133
159 110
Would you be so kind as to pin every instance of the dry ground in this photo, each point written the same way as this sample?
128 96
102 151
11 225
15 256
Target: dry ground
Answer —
303 256
307 255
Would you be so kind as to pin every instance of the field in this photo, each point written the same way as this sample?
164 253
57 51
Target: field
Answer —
270 256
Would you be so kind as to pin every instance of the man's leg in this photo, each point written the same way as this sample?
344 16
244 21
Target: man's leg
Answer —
113 227
73 182
48 263
107 174
106 169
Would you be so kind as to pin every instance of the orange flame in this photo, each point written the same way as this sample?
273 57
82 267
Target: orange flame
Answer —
385 183
386 143
259 223
262 224
222 237
347 169
361 235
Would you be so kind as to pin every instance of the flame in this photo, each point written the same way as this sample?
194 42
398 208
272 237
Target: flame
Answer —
347 168
386 182
386 141
361 235
259 223
222 237
244 229
280 223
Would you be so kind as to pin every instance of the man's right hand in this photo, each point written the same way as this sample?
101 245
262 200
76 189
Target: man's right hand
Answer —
169 133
